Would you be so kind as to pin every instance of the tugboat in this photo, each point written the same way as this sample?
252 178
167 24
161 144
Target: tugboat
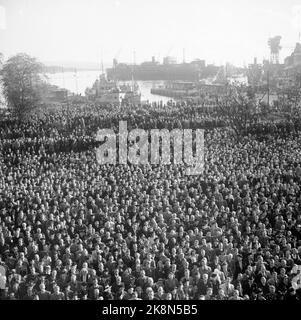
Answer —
132 94
106 91
176 89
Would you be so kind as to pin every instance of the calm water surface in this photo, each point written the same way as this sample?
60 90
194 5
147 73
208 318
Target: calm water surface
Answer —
78 82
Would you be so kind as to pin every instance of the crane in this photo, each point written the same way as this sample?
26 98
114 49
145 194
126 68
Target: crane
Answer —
169 50
118 53
115 61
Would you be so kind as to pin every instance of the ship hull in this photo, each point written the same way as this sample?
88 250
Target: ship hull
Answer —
172 72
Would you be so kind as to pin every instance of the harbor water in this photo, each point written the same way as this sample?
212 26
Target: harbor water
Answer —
77 82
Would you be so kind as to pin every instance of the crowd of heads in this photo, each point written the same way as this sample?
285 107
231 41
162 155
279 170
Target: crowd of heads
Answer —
71 229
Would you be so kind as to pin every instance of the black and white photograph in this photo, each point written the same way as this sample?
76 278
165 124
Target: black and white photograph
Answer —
150 150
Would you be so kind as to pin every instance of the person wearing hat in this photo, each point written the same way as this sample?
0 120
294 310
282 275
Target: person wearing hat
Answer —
107 294
260 295
291 295
204 284
215 281
227 287
63 279
129 294
263 285
249 286
68 292
272 295
83 290
171 282
160 295
221 295
238 266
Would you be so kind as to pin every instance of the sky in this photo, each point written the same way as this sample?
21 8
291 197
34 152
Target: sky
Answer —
218 31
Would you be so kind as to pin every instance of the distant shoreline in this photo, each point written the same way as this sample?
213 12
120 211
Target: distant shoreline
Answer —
57 69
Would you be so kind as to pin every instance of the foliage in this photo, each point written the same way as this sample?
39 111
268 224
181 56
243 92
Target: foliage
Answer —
289 99
239 108
22 83
290 105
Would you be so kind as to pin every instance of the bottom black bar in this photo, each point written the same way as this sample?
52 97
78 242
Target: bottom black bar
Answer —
133 309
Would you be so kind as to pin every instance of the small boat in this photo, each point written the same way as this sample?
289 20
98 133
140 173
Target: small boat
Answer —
109 92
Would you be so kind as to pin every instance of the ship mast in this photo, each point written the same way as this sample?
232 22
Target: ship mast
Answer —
102 71
64 85
134 63
76 83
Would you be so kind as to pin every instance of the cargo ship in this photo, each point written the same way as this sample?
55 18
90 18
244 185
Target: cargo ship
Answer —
168 70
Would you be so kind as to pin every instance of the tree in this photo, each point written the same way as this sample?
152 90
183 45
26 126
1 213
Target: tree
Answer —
289 103
1 94
22 82
239 108
289 98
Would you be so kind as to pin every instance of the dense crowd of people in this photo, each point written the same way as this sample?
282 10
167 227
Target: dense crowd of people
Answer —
71 229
